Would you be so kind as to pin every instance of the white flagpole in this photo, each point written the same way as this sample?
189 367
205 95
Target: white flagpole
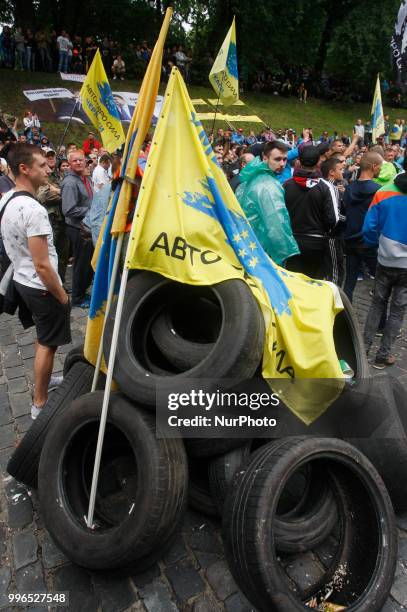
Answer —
108 306
106 396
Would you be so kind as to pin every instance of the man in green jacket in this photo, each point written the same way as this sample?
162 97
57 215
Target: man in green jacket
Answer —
262 198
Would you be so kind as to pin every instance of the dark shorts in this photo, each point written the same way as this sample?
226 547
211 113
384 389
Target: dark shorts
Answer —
52 319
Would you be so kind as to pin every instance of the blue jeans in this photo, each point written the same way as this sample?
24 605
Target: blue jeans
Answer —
357 253
19 59
8 57
28 59
389 282
63 61
45 58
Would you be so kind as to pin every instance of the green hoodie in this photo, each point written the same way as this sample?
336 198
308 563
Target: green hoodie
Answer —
387 174
262 198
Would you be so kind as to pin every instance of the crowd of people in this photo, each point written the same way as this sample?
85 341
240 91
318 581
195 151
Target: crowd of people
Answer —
62 52
327 209
332 208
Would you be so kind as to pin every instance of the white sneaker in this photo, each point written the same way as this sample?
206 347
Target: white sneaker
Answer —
35 411
54 382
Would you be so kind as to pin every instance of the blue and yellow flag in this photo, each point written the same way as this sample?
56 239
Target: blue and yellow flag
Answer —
190 228
116 216
224 76
378 128
99 105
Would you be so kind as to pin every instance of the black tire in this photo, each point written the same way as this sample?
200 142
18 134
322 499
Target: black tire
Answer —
367 549
348 339
237 351
212 447
400 398
184 354
74 355
24 462
222 470
199 495
307 515
137 511
387 448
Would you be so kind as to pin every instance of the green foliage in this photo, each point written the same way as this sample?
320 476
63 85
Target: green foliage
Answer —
359 47
349 39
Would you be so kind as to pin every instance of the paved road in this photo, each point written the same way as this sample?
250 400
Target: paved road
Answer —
193 576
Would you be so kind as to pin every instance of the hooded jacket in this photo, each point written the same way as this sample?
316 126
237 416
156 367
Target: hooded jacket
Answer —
262 198
76 198
358 197
386 223
312 205
387 174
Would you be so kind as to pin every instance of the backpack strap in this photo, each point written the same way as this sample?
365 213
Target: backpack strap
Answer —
15 195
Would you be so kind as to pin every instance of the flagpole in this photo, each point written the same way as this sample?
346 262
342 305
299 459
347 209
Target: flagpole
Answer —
217 103
67 126
106 395
107 309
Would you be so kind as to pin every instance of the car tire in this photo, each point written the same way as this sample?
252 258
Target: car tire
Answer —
24 462
138 508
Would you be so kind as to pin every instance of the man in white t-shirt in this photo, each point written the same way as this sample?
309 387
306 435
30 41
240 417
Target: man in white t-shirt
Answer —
359 130
28 242
63 44
100 176
119 68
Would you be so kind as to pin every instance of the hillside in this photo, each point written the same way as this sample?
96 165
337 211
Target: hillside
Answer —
275 111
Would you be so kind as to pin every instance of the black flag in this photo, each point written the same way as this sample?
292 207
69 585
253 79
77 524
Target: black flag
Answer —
399 44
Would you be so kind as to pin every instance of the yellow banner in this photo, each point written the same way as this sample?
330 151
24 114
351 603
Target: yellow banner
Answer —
230 118
99 105
190 228
215 102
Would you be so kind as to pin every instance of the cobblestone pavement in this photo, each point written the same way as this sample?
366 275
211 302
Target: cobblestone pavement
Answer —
193 576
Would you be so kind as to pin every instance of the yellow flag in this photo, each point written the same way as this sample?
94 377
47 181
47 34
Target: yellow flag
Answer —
99 105
140 124
115 219
190 228
224 76
378 128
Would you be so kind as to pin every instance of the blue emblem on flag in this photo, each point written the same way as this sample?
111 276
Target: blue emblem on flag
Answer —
231 62
241 237
107 99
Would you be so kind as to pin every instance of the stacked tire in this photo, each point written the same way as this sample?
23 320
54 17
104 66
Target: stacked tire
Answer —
278 500
143 483
171 331
263 508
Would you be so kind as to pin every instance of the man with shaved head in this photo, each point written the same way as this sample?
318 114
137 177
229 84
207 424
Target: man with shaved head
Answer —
244 159
358 196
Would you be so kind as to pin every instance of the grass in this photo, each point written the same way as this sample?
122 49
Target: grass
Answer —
275 111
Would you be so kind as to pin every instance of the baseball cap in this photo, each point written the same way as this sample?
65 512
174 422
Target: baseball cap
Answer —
49 152
309 156
240 130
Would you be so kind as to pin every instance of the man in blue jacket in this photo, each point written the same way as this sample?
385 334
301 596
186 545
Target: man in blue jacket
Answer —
385 226
357 199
